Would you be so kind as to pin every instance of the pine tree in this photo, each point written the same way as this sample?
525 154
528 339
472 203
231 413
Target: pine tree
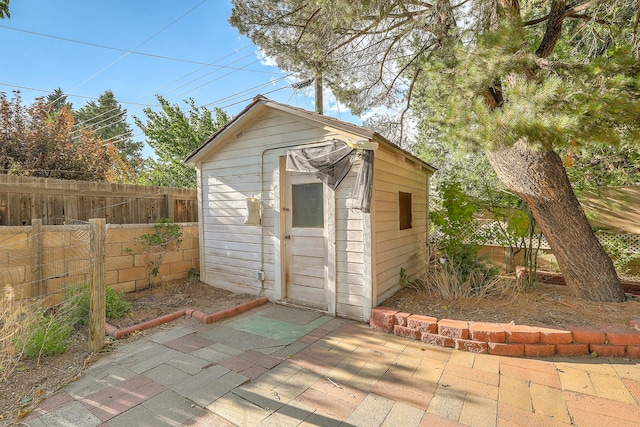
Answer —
108 121
522 84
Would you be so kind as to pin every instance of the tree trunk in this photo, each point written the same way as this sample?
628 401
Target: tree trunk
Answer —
539 178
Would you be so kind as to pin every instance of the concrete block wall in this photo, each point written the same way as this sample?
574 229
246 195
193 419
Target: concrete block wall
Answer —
126 260
44 261
510 340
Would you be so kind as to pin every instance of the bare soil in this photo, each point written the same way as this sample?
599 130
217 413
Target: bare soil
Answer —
35 380
549 305
545 304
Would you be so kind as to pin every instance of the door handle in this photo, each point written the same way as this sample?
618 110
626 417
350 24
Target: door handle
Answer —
287 236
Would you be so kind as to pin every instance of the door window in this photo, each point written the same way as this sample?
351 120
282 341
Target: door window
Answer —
307 205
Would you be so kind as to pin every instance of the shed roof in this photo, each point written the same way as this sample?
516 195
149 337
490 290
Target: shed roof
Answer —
260 102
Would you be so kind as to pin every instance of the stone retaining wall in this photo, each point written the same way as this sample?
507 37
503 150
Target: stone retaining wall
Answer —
510 340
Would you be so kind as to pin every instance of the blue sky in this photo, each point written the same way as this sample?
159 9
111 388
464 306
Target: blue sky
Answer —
137 49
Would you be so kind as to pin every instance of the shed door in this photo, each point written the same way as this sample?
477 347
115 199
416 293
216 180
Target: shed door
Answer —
305 248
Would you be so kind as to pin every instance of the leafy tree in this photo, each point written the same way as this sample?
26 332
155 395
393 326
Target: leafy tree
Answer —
4 9
520 83
174 134
108 121
39 141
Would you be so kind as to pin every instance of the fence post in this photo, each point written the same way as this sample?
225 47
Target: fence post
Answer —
97 279
170 205
36 260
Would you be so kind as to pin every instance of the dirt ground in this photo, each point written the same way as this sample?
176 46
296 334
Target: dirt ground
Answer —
549 305
545 304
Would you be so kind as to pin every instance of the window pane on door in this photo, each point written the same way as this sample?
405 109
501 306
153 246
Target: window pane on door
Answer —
307 205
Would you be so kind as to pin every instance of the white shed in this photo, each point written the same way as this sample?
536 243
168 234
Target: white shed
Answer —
270 227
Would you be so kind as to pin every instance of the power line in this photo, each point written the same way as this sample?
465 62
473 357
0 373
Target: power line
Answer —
139 45
79 124
70 95
270 82
127 51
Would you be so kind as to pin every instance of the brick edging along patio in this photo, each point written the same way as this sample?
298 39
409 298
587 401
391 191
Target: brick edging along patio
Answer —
198 315
510 340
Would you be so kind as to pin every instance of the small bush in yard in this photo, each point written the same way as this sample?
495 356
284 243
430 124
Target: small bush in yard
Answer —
117 306
77 304
166 237
48 336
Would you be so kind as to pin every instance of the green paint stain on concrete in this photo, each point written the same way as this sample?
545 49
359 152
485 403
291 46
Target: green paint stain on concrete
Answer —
277 329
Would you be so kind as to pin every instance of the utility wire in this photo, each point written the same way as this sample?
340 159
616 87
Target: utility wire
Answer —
115 109
69 95
131 52
139 45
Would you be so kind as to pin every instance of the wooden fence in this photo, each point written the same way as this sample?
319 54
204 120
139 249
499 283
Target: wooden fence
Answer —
57 201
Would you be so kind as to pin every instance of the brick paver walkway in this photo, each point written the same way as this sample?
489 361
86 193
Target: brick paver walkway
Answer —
282 366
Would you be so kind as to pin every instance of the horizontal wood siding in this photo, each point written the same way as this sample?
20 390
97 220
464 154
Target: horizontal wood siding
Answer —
349 251
397 249
232 255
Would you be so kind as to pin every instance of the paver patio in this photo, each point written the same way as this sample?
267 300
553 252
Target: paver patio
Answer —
284 366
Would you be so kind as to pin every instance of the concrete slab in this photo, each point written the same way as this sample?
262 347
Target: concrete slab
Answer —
404 415
371 412
85 386
238 410
290 350
244 340
479 411
165 335
188 363
291 314
272 328
211 355
290 414
111 373
173 408
167 375
135 351
189 343
140 417
213 390
447 403
71 414
158 359
203 378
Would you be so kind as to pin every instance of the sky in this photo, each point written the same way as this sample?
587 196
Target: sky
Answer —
137 49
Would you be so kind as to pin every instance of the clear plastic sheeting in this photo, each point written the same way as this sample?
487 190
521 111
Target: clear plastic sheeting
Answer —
331 163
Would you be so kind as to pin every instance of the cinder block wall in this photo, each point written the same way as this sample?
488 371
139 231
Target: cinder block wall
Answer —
43 261
126 265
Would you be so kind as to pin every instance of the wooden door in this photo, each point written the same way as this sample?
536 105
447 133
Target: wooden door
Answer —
305 249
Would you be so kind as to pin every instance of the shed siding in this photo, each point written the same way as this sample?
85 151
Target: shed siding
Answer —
232 255
349 251
395 249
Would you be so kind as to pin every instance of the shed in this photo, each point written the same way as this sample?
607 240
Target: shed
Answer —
309 210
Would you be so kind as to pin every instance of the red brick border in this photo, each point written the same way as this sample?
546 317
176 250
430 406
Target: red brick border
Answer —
510 340
198 315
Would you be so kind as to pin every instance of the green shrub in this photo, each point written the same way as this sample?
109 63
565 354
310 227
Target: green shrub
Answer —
48 336
76 304
166 237
117 306
77 300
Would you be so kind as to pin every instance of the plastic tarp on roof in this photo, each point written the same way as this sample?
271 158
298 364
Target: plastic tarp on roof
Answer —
331 163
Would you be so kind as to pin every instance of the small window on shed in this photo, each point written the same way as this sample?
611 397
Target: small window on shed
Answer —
307 205
405 210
